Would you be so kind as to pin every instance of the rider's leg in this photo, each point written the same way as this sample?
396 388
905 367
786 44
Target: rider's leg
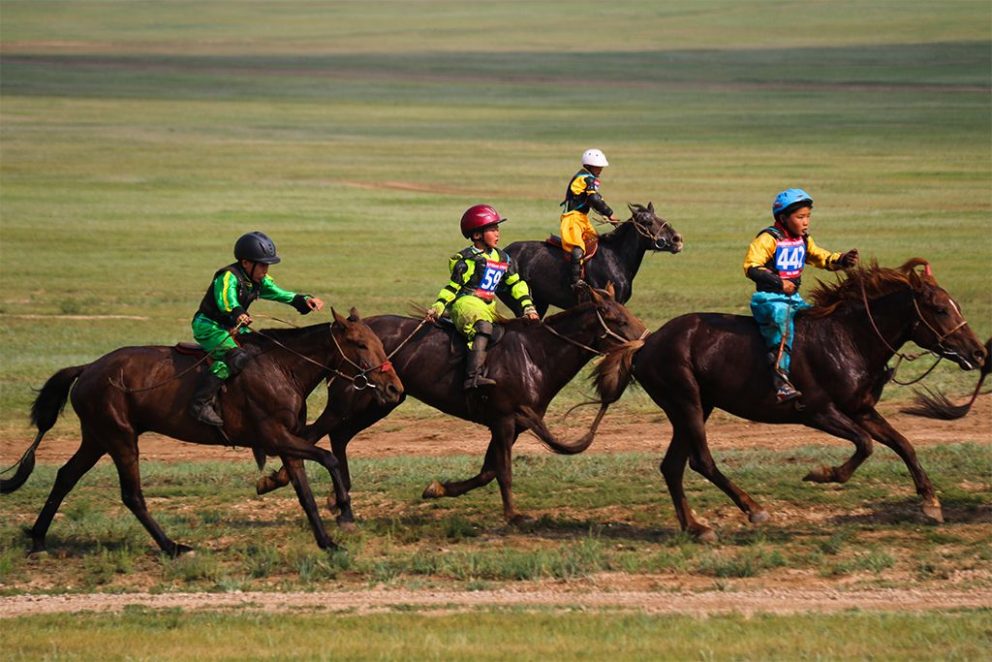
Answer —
476 358
229 360
576 265
773 313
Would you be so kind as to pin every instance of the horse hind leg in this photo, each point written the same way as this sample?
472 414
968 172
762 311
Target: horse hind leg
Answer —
75 468
129 472
437 489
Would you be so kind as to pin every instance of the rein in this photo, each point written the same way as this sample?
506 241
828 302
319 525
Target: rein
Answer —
909 358
607 332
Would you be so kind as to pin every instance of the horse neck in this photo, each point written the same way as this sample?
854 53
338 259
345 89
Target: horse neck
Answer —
313 343
629 246
894 316
577 324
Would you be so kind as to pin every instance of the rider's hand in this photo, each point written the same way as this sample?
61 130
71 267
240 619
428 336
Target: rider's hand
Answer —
788 286
244 319
434 313
614 219
531 313
849 259
313 303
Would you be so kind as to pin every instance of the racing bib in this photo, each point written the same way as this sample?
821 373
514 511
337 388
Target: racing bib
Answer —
790 257
491 277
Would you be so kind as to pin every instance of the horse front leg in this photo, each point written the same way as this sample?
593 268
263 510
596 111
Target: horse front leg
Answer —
882 431
437 489
835 422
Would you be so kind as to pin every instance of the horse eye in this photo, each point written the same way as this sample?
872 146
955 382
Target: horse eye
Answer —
940 310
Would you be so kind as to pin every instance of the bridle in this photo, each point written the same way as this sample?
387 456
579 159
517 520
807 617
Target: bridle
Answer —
909 358
660 243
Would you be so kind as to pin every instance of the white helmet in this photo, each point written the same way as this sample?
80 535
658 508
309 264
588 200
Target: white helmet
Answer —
594 157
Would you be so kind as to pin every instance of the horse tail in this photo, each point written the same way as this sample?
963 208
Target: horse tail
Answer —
530 419
44 412
937 405
615 371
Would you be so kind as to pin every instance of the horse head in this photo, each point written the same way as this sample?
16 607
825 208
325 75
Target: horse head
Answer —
942 327
363 351
620 326
659 232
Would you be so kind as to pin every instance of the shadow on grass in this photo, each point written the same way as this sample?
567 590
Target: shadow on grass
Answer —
908 511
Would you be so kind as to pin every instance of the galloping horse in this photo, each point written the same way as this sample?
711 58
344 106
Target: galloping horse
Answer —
531 364
621 251
704 360
147 389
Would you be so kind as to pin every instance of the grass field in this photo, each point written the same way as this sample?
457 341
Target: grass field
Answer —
138 140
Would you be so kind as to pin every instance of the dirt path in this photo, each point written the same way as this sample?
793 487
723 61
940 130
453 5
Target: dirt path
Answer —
444 435
774 601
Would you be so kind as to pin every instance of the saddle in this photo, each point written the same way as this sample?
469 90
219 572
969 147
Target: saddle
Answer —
189 349
458 342
591 247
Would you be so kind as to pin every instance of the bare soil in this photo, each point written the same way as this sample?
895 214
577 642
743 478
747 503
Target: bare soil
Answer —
777 592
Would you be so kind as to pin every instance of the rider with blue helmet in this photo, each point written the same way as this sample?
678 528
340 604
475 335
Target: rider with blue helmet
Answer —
775 261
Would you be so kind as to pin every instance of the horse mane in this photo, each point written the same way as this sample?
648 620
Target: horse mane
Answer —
283 335
874 280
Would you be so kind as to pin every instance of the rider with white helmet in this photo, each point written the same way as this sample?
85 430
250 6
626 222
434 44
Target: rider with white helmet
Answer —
581 195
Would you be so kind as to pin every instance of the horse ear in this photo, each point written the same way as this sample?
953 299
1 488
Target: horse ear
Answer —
583 291
338 319
650 206
353 315
609 289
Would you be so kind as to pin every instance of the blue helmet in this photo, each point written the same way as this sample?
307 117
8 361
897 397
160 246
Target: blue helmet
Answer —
789 199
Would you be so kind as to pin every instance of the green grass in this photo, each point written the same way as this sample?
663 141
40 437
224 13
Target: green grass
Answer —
522 634
138 145
591 514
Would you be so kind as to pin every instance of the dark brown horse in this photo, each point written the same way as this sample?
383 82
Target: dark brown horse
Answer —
147 389
546 269
531 364
704 360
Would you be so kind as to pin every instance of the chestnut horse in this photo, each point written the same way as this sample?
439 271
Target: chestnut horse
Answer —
531 364
546 268
704 360
147 389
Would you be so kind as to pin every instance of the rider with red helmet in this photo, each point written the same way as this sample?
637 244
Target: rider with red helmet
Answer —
478 274
775 261
581 195
223 314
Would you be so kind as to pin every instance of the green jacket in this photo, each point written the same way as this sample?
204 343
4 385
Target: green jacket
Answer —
232 291
484 275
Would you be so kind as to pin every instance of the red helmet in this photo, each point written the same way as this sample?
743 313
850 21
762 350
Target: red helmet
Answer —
478 217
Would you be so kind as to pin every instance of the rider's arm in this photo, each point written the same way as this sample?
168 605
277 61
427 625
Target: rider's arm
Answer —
518 289
461 270
269 291
595 199
820 257
759 253
225 289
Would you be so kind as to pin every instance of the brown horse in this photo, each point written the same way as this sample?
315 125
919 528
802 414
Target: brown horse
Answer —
704 360
531 364
147 389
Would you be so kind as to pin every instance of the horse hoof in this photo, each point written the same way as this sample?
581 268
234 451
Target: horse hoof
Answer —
934 513
703 534
821 475
520 520
434 490
263 485
759 516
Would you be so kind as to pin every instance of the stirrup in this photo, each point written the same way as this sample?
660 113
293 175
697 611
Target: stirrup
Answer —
787 392
476 382
205 413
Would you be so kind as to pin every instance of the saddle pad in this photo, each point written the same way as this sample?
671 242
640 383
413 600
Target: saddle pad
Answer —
189 348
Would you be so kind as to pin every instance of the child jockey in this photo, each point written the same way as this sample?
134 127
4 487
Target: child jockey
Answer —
775 261
223 314
478 274
581 195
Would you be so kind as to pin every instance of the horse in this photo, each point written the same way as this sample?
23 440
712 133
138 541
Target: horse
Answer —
546 267
531 364
147 389
699 361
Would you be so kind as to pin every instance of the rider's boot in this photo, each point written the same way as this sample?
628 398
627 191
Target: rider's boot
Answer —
203 407
476 359
784 390
575 266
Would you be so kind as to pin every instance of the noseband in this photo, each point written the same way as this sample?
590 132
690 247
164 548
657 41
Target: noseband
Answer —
660 243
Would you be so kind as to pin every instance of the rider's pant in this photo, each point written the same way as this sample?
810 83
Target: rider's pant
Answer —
217 341
467 310
576 230
775 313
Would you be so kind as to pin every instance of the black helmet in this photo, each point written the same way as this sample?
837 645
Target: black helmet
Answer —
257 247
